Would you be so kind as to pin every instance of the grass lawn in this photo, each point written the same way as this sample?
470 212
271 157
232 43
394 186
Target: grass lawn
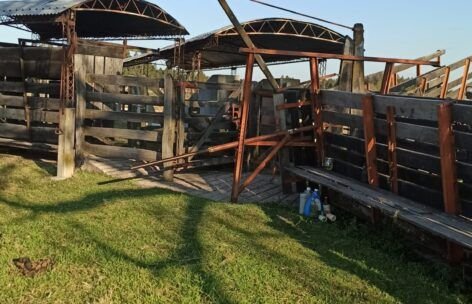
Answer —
117 243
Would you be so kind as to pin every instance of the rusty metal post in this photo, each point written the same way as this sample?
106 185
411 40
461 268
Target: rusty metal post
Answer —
392 149
387 78
463 87
248 42
316 110
449 172
263 164
445 83
370 140
246 101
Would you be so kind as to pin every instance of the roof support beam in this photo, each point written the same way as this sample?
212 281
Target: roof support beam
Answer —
247 40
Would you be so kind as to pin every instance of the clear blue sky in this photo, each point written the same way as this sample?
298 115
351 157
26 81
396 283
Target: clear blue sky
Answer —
400 28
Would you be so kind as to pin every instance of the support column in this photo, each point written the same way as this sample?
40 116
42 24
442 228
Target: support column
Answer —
246 101
316 110
358 77
168 135
66 151
345 73
449 174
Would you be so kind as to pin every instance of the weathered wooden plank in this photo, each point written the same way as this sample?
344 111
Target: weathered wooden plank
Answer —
120 152
122 133
33 102
447 226
405 106
35 134
91 48
124 116
66 148
407 131
462 113
33 146
36 88
168 136
125 98
119 80
40 69
35 115
32 53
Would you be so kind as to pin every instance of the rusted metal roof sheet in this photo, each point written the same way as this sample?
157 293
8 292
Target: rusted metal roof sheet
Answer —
95 19
36 7
220 48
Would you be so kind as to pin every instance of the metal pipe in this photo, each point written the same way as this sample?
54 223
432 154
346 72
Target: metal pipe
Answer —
336 56
264 163
246 102
224 147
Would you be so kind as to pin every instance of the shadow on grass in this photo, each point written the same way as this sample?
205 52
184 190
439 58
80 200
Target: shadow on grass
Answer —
189 256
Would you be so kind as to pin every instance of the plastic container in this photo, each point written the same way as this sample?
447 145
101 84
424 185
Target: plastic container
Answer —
303 197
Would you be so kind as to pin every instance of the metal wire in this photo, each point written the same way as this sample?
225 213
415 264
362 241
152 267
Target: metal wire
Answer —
301 14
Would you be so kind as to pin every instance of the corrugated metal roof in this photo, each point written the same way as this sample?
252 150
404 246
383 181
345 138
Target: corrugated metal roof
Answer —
36 7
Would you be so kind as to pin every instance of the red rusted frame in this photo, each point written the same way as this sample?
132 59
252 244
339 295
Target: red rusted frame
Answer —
225 147
465 76
370 140
246 101
263 164
370 148
287 106
445 83
449 173
316 110
392 149
274 143
337 56
387 78
448 159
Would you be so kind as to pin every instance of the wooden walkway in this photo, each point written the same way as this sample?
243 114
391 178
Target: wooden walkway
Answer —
208 184
453 228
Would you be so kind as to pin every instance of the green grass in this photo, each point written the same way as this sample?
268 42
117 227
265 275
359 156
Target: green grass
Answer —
117 243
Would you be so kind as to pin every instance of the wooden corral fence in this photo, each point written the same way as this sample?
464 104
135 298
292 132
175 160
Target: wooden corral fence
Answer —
29 96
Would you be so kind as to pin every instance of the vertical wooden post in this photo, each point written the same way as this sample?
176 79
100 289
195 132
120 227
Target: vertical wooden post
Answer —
180 149
317 110
465 76
370 140
392 149
80 97
358 77
449 172
281 125
445 83
345 73
168 135
66 152
247 94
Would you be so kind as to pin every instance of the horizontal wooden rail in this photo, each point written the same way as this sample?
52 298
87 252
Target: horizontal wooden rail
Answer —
122 133
124 116
125 98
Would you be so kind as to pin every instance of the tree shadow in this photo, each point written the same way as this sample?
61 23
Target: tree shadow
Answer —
190 255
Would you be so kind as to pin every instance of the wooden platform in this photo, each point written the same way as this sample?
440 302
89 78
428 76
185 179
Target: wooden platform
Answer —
208 184
453 228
